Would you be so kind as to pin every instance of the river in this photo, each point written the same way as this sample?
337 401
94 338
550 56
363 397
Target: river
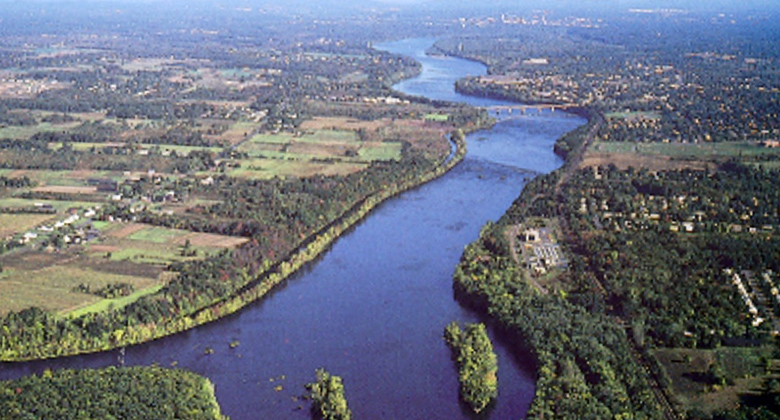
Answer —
372 309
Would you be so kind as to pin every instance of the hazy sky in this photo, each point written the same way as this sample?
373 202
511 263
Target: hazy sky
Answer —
566 5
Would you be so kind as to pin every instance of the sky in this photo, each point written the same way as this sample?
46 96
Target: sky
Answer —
566 5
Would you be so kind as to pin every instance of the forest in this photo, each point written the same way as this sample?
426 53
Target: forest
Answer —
111 393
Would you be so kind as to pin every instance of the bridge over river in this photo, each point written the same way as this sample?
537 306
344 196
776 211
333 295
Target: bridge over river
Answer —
522 108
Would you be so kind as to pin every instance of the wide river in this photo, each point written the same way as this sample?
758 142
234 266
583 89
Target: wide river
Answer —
372 309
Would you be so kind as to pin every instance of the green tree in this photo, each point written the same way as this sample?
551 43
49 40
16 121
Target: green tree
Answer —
330 402
477 364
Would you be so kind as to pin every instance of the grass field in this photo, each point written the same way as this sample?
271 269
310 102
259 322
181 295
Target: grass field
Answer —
437 117
699 151
637 115
25 132
381 151
343 123
161 148
52 287
157 235
118 303
60 206
65 178
324 151
662 156
260 168
145 244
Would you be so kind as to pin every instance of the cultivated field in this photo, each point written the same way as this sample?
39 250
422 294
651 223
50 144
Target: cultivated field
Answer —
11 224
321 151
145 244
58 266
131 253
48 280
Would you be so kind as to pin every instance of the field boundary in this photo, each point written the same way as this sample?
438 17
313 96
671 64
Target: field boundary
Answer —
311 248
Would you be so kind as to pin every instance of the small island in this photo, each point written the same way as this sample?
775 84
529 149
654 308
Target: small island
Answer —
327 393
477 364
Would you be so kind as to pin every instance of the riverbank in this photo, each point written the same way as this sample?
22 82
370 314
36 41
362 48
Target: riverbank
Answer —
270 277
376 301
569 343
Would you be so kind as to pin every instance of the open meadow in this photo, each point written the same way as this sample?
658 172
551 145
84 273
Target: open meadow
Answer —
660 156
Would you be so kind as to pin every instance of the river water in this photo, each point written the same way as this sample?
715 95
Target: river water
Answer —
372 309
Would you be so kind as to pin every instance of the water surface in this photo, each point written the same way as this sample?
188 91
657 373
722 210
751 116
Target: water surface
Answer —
372 309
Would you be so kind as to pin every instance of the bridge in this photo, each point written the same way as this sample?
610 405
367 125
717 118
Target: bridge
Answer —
524 108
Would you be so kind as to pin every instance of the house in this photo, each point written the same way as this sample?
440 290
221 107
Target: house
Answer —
532 235
29 236
103 184
107 185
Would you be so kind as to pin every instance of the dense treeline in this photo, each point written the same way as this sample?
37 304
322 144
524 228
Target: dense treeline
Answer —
585 368
111 393
477 364
21 154
584 359
16 182
661 274
673 285
329 398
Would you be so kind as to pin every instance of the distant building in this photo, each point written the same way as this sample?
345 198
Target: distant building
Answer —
103 184
532 235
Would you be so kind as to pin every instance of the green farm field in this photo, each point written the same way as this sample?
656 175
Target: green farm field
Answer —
52 287
59 205
152 245
717 150
159 148
671 156
260 168
326 152
135 254
319 144
64 178
27 131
